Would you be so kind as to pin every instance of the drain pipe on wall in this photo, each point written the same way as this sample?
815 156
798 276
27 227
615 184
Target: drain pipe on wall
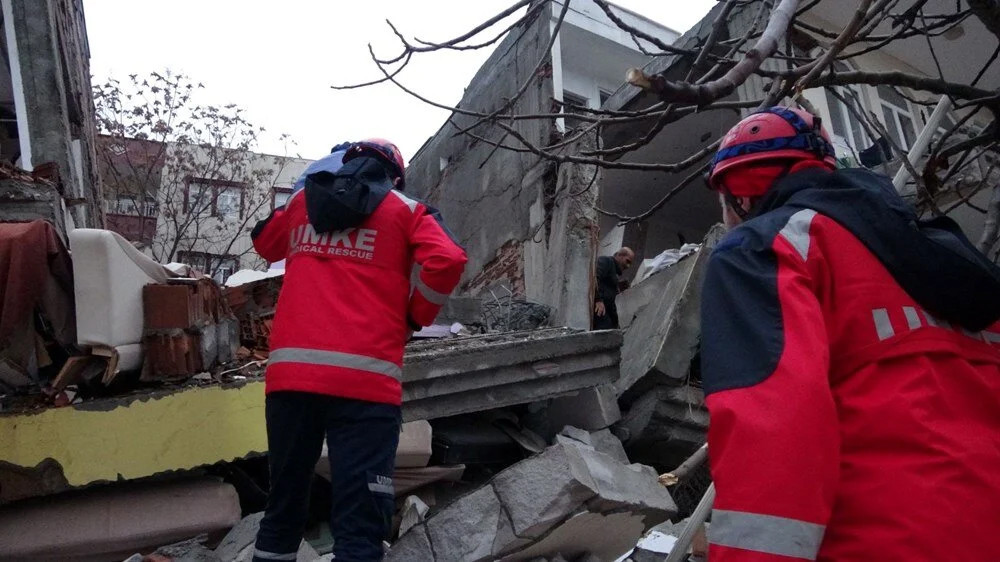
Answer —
923 141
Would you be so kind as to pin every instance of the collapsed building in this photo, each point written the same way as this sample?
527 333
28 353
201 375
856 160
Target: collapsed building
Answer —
164 392
48 115
526 436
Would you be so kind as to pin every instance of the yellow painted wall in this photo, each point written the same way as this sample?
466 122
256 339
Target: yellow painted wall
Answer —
178 431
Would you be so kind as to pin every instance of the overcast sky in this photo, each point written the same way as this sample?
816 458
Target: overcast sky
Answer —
279 59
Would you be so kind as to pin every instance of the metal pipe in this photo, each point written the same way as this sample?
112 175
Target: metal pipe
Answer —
923 141
681 472
680 548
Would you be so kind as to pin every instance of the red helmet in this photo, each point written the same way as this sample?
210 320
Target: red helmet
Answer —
385 151
773 134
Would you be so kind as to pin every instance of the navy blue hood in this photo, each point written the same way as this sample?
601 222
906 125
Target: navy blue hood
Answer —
932 260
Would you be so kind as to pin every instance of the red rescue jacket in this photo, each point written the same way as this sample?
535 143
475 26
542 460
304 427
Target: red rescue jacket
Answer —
851 419
346 302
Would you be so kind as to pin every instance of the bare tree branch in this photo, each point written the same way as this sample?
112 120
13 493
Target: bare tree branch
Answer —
777 25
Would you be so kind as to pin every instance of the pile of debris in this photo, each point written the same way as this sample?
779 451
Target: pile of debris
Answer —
578 497
518 445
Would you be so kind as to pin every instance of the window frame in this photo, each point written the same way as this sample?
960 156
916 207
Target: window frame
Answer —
280 190
905 143
847 117
577 100
217 187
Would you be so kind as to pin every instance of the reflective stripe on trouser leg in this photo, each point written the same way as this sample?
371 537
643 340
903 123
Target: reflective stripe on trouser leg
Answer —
265 555
768 534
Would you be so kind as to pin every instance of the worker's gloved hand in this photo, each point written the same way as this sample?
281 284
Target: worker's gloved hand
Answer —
599 309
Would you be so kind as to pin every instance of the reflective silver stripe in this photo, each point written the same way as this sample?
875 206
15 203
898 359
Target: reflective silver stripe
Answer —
796 231
409 202
430 294
912 318
931 321
381 488
992 337
882 324
258 553
335 359
766 533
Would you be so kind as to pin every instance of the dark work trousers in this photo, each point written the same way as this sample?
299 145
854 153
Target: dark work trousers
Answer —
610 319
362 439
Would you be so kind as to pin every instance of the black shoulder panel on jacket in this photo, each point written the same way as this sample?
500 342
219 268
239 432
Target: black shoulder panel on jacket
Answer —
742 330
932 260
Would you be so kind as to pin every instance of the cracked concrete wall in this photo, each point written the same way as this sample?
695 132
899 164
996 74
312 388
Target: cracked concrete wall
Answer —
54 60
559 258
486 194
524 222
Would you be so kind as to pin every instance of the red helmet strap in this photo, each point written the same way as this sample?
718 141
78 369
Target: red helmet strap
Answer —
735 204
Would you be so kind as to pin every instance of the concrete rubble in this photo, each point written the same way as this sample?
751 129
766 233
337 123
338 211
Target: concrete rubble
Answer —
448 377
663 418
478 400
571 499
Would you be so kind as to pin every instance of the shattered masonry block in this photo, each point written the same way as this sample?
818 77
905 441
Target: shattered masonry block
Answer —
172 355
467 529
413 545
590 409
606 442
180 306
587 537
603 441
577 434
541 491
570 494
448 377
662 340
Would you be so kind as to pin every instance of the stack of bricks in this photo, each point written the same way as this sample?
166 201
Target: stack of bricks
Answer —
507 266
187 329
253 305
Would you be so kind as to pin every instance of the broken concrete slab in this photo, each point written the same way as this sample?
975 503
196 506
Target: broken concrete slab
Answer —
541 504
116 521
413 511
603 441
191 550
414 545
449 377
540 492
605 536
591 409
167 429
664 327
468 528
665 425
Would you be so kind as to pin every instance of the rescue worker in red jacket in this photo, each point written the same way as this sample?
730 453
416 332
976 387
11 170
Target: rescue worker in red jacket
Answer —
352 239
850 363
